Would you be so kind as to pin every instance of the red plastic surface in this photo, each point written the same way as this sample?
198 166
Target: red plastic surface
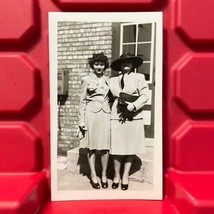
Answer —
20 140
188 107
96 207
18 20
193 20
191 192
16 71
22 193
196 69
194 142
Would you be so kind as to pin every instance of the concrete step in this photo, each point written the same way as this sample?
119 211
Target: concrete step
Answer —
142 167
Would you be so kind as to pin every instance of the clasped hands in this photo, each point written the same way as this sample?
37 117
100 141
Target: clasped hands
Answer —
129 105
126 110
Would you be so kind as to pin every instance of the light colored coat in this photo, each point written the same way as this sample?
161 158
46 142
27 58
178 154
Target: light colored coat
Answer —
134 84
94 97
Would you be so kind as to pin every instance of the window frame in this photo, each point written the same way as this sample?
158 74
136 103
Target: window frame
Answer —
136 43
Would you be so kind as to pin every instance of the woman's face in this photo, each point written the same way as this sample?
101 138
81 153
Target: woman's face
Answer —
99 67
126 67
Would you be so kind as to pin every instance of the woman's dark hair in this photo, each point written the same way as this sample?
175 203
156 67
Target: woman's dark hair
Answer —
100 57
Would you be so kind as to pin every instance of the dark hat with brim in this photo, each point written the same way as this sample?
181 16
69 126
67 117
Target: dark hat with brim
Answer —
126 57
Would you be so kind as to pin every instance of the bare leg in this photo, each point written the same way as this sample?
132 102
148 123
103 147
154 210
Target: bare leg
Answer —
104 162
91 161
127 167
117 165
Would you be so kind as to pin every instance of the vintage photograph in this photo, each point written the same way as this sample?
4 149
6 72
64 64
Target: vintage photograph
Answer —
106 105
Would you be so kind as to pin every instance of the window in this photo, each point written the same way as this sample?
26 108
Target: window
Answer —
138 39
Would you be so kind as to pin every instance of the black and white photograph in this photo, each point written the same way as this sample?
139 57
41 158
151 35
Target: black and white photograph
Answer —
106 105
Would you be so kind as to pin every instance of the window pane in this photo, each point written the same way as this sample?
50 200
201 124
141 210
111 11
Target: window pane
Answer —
145 51
129 33
129 49
145 69
145 32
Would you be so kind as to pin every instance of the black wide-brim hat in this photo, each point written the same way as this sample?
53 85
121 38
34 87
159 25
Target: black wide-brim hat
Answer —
126 57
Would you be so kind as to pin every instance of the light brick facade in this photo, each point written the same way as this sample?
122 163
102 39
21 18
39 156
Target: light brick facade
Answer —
77 41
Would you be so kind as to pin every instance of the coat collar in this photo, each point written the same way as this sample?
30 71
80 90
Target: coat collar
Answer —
94 76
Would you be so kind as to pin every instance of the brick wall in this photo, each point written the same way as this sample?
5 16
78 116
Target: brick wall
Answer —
77 41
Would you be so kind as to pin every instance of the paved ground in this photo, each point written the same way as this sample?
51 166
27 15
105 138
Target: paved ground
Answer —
74 181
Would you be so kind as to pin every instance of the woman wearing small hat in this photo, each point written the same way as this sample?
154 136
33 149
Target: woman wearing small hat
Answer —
94 117
130 91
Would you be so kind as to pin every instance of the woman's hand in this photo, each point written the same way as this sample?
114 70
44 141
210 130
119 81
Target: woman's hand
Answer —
82 125
130 106
81 131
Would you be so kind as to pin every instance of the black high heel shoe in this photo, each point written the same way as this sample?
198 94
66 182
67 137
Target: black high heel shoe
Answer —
95 185
104 184
115 185
124 186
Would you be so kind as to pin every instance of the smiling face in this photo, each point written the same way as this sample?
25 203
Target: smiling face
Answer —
99 67
126 67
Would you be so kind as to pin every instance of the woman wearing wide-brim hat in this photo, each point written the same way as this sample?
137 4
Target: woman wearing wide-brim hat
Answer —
130 91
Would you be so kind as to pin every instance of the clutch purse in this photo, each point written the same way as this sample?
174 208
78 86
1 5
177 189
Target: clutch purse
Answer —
127 97
122 110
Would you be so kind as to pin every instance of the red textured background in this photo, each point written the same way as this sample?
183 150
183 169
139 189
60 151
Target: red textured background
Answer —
188 107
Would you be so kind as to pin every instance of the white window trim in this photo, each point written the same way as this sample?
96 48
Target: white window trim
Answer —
147 42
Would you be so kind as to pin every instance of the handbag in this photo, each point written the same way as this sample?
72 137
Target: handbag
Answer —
128 97
122 110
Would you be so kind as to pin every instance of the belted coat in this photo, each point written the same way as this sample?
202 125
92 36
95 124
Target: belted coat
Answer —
94 97
127 136
134 84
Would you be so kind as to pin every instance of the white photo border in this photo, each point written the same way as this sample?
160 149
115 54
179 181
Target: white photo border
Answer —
157 192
